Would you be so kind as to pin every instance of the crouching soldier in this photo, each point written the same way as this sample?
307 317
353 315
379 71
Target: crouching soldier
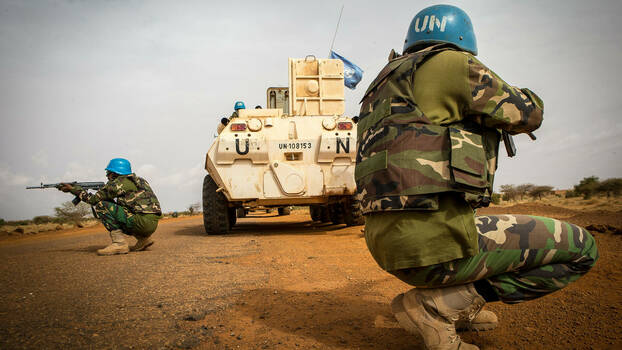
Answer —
126 204
428 143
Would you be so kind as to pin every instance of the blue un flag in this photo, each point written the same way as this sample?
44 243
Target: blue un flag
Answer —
352 74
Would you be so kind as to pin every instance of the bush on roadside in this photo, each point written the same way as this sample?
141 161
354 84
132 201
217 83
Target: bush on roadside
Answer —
496 198
42 219
67 212
18 222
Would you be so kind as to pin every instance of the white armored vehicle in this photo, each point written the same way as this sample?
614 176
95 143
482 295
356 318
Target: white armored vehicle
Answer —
298 151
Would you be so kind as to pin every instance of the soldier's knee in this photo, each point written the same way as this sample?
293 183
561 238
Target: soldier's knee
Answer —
588 251
590 248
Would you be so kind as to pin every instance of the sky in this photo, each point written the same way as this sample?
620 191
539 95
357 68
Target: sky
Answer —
82 82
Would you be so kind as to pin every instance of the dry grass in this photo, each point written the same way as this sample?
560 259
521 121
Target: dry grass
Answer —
36 228
612 204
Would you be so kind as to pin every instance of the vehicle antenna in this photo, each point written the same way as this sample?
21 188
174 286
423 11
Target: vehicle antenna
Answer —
336 29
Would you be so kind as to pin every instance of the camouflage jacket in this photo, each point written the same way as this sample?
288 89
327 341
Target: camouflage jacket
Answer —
129 191
405 158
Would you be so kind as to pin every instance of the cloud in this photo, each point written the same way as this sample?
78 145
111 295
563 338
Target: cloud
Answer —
40 159
184 178
11 179
148 171
83 172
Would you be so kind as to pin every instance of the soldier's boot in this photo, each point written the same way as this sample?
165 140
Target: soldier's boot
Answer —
142 243
433 313
118 245
484 321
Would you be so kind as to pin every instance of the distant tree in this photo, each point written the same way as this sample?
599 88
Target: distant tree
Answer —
194 208
610 187
509 192
2 221
587 187
67 212
523 190
538 191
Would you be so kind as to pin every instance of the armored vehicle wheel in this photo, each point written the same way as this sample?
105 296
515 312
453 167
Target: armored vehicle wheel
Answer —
232 217
316 212
336 213
324 214
284 211
216 215
353 216
240 212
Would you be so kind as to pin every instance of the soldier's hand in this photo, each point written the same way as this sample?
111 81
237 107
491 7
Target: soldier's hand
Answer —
65 187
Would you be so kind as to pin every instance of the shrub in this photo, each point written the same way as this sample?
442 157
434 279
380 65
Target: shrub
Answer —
18 222
67 212
496 198
571 194
43 219
509 192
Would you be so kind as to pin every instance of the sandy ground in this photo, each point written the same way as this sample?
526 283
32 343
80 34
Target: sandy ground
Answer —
273 283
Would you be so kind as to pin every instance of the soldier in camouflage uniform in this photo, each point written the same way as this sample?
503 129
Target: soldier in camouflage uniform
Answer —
428 140
126 204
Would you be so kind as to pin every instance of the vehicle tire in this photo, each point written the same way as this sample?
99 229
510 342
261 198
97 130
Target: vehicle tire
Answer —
324 214
216 214
232 217
240 212
316 212
336 213
353 215
284 211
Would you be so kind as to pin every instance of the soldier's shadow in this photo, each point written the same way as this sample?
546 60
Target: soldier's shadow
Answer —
336 318
266 228
330 317
82 249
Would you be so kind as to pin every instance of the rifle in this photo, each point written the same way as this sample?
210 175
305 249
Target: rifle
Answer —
510 148
85 185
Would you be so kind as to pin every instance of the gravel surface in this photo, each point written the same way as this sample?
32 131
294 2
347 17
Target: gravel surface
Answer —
273 283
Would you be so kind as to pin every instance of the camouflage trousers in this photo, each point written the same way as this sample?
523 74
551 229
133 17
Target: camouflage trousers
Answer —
116 217
522 257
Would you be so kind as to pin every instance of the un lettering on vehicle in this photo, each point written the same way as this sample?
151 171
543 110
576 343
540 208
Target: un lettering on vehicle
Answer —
342 145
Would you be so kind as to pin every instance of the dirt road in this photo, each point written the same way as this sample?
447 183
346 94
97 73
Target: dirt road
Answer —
274 283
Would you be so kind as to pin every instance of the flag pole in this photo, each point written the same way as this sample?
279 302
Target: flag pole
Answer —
336 29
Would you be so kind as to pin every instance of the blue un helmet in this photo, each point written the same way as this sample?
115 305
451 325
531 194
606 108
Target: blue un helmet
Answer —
239 105
441 24
119 166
